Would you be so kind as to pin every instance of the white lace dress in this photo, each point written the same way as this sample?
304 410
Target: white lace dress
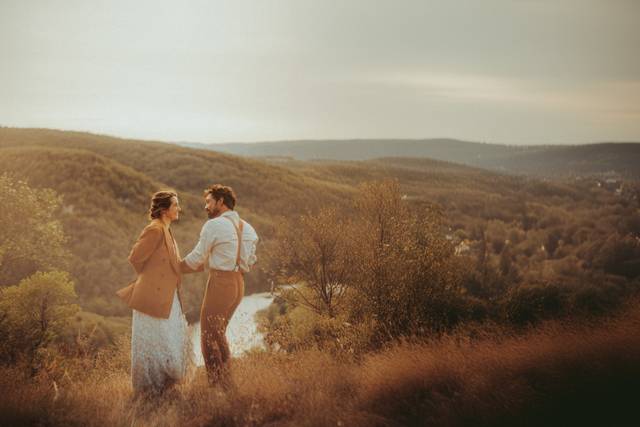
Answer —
160 349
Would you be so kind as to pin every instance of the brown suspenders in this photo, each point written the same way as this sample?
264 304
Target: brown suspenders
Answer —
239 232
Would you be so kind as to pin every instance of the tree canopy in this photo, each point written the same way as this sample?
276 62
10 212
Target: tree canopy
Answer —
32 237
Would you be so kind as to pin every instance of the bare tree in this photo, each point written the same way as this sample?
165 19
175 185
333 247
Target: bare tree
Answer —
313 256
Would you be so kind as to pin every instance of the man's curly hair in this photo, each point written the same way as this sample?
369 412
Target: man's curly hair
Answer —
219 191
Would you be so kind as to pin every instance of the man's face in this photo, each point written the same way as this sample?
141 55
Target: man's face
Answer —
212 206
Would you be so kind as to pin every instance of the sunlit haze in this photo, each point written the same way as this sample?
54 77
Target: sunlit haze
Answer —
505 71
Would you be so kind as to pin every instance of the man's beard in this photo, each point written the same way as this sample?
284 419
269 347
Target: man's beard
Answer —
213 214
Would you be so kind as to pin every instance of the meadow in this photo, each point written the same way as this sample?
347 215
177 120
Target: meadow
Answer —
555 374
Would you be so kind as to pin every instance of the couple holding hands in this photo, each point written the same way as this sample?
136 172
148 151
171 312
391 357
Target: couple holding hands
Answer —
160 344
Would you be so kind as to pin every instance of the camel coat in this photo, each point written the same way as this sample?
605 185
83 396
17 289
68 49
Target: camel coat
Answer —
156 259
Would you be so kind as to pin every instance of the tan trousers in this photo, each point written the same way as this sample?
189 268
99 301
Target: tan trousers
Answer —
225 290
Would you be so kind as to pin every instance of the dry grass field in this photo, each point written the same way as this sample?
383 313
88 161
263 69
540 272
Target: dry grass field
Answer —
555 374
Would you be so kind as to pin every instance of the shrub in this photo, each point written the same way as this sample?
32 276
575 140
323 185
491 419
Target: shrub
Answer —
35 314
529 304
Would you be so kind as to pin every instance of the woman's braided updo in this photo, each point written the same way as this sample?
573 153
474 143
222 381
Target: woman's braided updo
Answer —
160 201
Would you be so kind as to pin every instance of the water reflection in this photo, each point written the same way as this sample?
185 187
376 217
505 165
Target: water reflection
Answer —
242 331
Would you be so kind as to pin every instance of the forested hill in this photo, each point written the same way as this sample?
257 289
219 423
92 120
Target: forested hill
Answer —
187 170
620 159
105 184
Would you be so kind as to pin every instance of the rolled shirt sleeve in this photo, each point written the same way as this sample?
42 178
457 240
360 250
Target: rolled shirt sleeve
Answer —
199 255
250 245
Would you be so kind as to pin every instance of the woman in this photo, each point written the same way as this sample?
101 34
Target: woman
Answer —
159 341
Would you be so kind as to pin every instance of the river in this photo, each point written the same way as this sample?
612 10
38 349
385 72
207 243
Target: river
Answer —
242 331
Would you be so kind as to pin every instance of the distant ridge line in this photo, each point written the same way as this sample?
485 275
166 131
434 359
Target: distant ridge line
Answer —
621 159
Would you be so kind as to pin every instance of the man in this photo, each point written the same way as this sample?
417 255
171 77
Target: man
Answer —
226 249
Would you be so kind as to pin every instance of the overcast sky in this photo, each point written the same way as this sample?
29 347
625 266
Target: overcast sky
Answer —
507 71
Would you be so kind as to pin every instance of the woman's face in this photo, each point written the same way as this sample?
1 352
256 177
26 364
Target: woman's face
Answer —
173 212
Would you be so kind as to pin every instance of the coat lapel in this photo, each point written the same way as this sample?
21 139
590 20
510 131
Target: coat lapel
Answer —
172 249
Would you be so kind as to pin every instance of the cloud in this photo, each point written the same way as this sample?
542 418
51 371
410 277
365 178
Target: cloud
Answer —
252 70
608 96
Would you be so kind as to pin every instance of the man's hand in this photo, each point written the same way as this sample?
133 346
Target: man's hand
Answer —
185 269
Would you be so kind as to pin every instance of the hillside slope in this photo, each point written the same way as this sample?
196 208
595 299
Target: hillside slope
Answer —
106 182
621 159
267 189
102 212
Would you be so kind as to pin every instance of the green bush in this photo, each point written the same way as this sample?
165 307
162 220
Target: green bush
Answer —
34 314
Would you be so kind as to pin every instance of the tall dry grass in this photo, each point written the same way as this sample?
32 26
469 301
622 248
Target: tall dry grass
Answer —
553 375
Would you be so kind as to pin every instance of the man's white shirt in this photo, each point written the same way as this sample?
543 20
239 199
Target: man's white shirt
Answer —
219 237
